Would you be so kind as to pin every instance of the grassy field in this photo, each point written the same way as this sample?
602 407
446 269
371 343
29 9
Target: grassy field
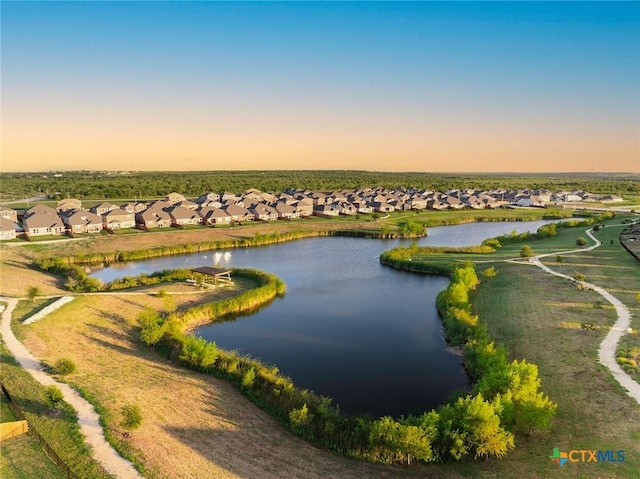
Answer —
197 426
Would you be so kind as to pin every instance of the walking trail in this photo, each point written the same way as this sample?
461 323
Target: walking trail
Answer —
88 419
607 350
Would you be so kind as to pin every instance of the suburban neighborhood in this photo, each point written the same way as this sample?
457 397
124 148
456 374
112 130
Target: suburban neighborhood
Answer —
226 208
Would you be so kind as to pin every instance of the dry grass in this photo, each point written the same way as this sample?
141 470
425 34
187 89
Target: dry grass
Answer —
17 274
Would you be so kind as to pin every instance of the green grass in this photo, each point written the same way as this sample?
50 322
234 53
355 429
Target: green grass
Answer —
21 457
59 427
537 317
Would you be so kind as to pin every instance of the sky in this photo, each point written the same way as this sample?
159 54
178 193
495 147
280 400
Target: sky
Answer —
384 86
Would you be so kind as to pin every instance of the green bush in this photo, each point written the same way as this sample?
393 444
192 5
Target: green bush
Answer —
526 252
64 366
53 395
581 241
131 416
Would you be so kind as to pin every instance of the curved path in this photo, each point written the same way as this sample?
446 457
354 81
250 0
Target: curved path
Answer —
88 419
607 350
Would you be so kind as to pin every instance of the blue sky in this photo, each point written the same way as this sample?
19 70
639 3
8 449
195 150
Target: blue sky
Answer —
411 86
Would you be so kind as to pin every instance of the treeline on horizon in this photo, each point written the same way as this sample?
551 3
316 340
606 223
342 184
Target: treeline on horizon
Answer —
143 185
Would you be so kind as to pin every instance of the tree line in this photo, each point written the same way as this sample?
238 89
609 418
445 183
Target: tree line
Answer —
145 185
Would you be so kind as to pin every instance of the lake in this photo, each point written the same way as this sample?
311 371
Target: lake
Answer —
349 328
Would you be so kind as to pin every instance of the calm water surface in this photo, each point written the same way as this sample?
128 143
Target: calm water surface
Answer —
366 335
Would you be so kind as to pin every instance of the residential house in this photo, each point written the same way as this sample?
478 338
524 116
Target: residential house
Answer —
229 196
83 221
174 198
285 211
181 216
417 202
362 206
262 212
41 224
9 213
68 204
7 229
40 209
207 198
347 208
327 211
381 206
189 204
238 213
153 218
214 216
134 208
118 219
304 208
103 208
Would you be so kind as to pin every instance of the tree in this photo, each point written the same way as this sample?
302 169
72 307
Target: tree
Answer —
393 441
33 292
153 327
472 425
131 416
525 251
578 276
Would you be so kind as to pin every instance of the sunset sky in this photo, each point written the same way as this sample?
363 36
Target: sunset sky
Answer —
459 87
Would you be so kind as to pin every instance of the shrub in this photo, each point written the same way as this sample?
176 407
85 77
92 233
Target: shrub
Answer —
490 272
525 251
559 259
578 276
198 352
64 366
131 416
581 241
53 395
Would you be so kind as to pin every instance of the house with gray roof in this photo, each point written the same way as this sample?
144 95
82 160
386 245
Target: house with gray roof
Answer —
42 224
184 216
9 213
7 229
118 219
83 221
153 218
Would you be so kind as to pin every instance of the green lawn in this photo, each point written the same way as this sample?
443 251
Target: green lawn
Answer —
537 317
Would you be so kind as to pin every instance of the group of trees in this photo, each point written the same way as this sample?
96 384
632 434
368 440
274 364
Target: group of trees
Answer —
511 388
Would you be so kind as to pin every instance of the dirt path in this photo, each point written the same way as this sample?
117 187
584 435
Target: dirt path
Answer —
607 350
87 417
